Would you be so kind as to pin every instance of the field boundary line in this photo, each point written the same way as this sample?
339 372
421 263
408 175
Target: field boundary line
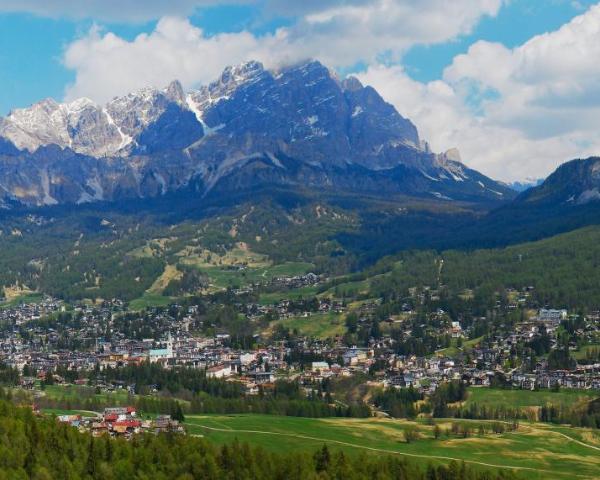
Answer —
529 425
569 438
394 452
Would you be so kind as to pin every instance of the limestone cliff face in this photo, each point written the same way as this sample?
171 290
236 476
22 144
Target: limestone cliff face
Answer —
299 126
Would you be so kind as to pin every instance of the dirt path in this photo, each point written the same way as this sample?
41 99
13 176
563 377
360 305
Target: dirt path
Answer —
395 452
583 444
536 429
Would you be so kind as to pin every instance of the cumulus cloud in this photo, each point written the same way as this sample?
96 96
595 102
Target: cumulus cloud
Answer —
341 34
344 32
107 65
514 113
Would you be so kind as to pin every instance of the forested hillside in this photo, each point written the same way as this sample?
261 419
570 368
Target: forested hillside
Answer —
119 251
123 251
562 271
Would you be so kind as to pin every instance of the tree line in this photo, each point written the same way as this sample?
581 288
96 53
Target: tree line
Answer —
43 449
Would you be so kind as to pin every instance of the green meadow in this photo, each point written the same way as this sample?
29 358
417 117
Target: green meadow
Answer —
149 300
292 294
495 397
533 451
72 392
318 325
232 276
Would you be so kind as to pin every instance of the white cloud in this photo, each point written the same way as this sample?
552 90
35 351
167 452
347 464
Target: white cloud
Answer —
346 32
144 10
107 65
340 35
514 113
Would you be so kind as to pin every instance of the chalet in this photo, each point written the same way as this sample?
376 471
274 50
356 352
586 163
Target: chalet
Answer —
456 330
73 420
319 367
219 371
260 377
551 317
354 356
99 428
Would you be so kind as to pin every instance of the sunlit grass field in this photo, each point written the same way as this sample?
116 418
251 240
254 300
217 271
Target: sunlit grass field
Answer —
527 398
533 451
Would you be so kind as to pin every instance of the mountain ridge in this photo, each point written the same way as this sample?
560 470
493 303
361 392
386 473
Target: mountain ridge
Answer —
576 182
296 126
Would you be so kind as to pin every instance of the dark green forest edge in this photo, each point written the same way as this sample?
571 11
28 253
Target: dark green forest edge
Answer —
90 252
41 449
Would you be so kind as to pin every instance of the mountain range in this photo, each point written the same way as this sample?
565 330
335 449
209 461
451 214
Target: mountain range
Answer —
299 127
297 136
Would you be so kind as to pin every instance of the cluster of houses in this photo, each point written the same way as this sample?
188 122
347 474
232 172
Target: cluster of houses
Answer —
23 313
43 350
298 281
289 309
121 422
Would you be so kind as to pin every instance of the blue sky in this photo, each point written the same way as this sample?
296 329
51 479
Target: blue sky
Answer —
31 46
516 22
514 84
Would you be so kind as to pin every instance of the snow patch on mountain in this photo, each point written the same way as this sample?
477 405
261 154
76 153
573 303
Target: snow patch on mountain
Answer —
588 196
153 141
47 198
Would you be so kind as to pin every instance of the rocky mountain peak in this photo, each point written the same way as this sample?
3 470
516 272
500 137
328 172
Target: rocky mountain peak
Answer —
453 154
233 76
175 93
351 84
297 125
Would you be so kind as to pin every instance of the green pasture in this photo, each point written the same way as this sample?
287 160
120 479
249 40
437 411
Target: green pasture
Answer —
495 397
533 451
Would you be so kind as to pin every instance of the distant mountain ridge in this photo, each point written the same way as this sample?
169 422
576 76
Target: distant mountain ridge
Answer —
297 127
521 186
576 182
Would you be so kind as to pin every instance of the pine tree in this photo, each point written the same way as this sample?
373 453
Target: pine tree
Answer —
322 459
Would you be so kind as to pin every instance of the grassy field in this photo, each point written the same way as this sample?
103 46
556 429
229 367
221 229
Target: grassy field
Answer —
59 411
240 255
535 451
293 294
320 325
453 348
153 297
527 398
72 392
239 276
149 300
30 297
582 353
153 248
348 289
159 285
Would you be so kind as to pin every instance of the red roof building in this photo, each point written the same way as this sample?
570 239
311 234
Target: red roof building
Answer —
128 424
